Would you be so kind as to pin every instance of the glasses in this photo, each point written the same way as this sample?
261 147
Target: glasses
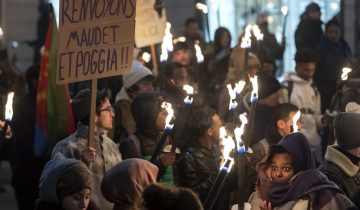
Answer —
107 109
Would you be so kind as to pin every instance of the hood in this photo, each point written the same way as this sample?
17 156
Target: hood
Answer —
51 174
125 182
340 160
122 95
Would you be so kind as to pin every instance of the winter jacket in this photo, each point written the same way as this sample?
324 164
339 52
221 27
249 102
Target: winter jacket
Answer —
339 169
305 95
107 156
308 33
198 169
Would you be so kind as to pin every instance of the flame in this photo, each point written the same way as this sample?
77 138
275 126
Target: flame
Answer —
345 73
202 7
246 40
146 57
295 119
227 143
8 106
239 131
189 91
257 33
239 87
179 39
199 55
232 93
254 92
170 115
166 45
284 10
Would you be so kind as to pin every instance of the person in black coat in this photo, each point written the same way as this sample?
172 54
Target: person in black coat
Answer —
309 31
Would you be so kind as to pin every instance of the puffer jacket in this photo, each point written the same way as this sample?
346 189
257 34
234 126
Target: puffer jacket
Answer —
198 169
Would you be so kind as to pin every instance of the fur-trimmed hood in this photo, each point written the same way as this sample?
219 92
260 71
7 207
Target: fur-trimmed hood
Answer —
340 160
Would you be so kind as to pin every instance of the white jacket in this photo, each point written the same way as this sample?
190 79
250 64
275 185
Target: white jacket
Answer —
306 96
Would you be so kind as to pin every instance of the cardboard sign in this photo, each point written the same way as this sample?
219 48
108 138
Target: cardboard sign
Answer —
150 24
96 39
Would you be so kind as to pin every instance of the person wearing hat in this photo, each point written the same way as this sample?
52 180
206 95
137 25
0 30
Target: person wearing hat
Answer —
150 118
342 161
302 92
309 31
65 184
288 180
138 81
104 153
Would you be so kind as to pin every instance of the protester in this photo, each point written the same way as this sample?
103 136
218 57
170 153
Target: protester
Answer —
136 82
216 66
309 31
65 184
198 167
125 182
150 123
303 93
26 187
334 53
288 180
342 161
268 48
164 197
176 76
104 153
193 33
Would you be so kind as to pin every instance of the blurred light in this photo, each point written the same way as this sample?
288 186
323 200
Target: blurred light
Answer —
284 10
202 7
270 5
146 57
1 33
270 19
214 5
14 44
334 6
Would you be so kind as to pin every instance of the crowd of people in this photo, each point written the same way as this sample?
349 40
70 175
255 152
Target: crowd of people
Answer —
317 167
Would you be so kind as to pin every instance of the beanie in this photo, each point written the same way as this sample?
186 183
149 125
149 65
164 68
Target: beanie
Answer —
73 179
138 73
268 85
82 101
346 126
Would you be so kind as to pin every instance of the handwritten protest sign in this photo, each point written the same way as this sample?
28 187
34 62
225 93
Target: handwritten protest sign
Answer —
96 39
150 24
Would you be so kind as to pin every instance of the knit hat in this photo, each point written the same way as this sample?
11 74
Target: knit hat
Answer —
73 179
346 130
268 85
62 177
82 101
138 73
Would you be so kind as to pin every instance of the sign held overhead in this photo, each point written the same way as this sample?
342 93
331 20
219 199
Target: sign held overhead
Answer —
96 39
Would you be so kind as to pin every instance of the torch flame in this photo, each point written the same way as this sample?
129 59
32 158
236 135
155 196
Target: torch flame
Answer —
199 55
254 92
295 119
166 45
232 93
227 143
179 39
8 106
202 7
345 73
257 33
239 131
189 91
246 40
170 115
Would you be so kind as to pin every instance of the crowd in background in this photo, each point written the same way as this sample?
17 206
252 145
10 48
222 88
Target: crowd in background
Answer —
315 168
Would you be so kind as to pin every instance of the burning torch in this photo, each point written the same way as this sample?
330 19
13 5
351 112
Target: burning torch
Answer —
167 130
8 113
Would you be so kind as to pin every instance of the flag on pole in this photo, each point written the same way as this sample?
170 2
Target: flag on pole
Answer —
54 118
